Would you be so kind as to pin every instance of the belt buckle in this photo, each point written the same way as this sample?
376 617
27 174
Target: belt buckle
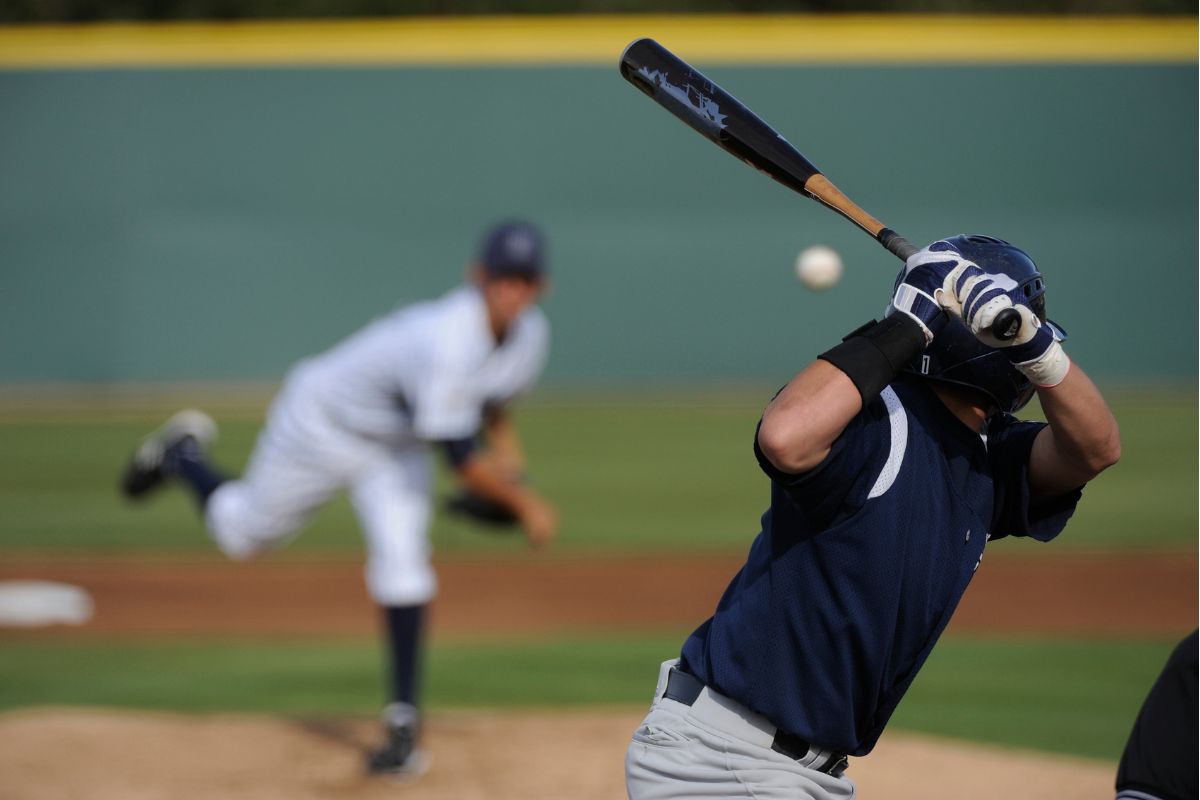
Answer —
790 745
682 687
795 748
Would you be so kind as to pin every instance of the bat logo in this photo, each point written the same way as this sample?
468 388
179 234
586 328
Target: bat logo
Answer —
698 108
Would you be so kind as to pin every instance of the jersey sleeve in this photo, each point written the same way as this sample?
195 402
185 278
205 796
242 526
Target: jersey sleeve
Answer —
1018 513
446 408
444 393
840 485
524 365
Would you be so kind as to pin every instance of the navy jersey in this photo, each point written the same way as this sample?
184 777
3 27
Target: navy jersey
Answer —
860 563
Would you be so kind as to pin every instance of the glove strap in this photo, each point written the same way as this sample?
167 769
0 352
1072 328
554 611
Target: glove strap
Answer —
874 354
921 307
1048 369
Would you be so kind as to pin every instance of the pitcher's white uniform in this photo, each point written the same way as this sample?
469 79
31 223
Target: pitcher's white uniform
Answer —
361 415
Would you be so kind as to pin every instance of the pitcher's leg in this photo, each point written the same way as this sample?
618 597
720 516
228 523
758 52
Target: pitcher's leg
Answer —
393 505
394 508
279 490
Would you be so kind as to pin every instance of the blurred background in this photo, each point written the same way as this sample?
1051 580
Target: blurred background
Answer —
194 194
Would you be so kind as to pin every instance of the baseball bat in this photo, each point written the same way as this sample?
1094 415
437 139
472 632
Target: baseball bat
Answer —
718 116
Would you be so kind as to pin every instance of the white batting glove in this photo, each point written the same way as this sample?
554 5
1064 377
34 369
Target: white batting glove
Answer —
977 298
918 289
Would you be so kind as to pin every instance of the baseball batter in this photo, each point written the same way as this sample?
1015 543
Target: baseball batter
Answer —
363 417
893 460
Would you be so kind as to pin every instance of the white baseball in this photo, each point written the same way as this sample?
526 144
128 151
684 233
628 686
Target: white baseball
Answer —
819 267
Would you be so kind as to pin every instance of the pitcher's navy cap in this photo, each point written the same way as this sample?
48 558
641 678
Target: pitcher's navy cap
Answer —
513 248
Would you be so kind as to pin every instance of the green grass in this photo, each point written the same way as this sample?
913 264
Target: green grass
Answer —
1072 697
327 676
626 476
1150 497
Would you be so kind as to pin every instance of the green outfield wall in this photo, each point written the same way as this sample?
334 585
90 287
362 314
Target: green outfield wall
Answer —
218 222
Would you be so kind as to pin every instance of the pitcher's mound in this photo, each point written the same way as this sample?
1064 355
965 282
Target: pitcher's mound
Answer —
49 754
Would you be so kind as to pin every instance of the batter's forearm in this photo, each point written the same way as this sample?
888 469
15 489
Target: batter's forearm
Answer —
800 425
1082 439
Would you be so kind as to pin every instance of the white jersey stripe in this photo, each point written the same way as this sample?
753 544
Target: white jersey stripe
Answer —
899 423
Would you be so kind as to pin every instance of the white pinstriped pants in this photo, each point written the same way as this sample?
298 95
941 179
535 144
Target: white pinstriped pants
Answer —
300 462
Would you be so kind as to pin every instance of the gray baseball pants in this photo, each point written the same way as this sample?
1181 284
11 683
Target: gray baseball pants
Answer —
716 748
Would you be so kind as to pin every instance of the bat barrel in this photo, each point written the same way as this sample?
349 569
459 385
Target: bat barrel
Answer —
712 112
718 116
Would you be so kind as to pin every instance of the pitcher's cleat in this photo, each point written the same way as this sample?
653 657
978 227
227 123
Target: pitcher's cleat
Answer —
382 765
187 429
399 758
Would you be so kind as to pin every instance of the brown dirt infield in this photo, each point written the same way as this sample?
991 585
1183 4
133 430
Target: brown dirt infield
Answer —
51 754
1096 594
111 755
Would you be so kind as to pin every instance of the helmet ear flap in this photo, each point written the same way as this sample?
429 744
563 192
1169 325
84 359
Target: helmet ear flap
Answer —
956 357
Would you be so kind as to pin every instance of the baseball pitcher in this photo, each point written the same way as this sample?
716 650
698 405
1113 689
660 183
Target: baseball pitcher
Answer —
363 416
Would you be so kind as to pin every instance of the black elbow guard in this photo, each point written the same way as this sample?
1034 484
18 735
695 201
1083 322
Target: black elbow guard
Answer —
874 354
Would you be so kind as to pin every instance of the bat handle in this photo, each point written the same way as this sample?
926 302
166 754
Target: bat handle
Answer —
1007 324
896 244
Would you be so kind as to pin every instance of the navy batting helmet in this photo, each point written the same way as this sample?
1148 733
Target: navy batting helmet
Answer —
956 356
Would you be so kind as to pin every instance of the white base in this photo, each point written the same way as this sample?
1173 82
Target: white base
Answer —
32 604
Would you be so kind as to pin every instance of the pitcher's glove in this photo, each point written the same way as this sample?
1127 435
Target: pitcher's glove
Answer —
473 507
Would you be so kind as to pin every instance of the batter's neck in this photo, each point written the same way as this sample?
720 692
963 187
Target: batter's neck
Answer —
962 404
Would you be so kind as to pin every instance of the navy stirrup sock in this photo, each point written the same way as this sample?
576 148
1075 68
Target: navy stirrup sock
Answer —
404 643
187 462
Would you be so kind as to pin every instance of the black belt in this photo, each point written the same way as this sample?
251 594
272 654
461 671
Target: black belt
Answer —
685 688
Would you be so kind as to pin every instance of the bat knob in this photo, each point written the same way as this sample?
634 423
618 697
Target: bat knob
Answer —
1007 325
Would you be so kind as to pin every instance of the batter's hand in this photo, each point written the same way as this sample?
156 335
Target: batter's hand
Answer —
977 298
919 289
